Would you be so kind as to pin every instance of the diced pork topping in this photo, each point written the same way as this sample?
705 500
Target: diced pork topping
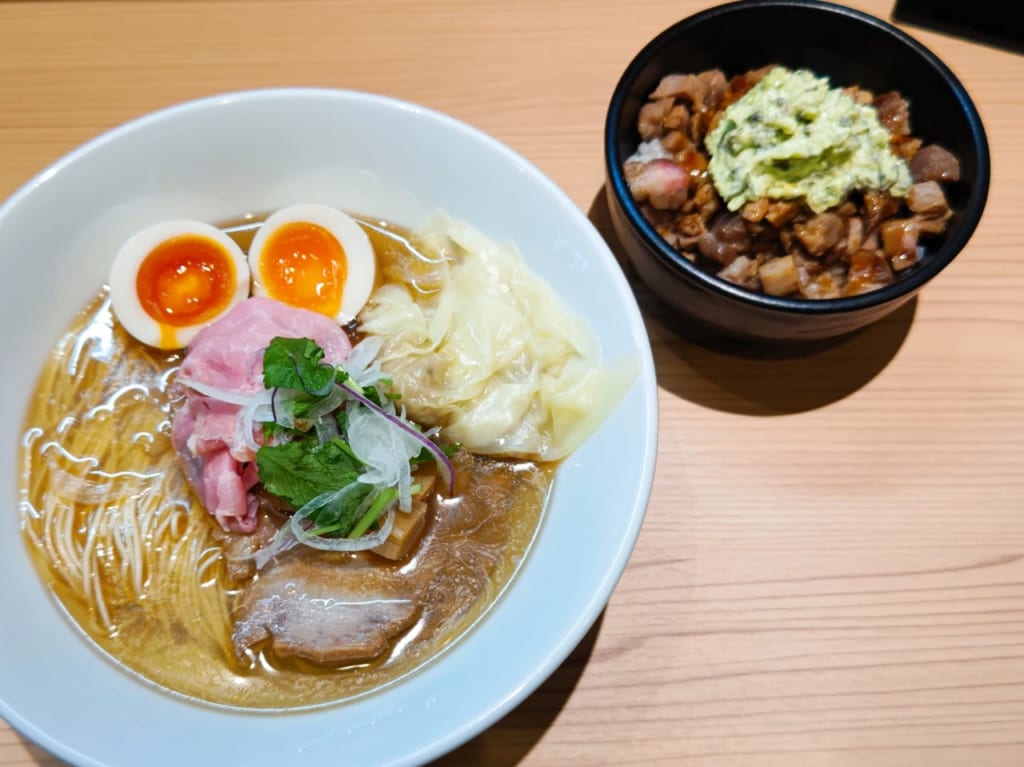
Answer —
857 246
934 163
661 182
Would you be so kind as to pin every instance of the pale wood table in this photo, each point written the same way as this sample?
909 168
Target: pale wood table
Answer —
831 571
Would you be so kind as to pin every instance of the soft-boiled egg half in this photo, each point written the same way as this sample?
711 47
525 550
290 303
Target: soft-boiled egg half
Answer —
174 278
315 257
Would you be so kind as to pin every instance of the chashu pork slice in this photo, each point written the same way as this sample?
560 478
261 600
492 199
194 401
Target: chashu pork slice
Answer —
313 608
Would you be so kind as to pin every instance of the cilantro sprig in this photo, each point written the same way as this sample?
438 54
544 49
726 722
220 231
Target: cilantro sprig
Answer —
297 363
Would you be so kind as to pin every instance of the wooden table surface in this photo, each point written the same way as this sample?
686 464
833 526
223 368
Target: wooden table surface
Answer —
831 571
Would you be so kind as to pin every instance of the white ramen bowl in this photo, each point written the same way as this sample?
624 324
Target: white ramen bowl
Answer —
215 159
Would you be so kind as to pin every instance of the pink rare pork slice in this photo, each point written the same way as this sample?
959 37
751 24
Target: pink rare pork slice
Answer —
227 356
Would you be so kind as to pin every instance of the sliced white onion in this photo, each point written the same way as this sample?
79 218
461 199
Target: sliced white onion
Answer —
279 411
444 464
328 404
252 414
215 392
359 364
282 542
384 450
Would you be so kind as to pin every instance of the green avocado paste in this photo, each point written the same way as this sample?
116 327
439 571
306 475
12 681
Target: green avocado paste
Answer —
791 136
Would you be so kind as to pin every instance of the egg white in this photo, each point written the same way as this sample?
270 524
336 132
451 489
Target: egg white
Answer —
124 296
361 266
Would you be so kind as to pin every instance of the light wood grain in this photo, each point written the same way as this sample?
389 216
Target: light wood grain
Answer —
831 571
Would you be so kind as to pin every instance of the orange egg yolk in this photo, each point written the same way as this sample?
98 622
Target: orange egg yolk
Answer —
185 281
302 264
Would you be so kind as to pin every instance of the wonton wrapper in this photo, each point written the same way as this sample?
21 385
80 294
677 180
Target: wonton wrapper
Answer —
492 357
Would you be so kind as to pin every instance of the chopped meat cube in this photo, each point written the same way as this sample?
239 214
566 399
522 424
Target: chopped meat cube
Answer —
726 240
707 200
934 163
903 261
677 118
846 209
691 87
660 182
740 84
807 266
651 117
893 113
692 225
854 234
819 233
868 271
781 212
899 242
879 206
717 85
755 211
859 95
927 199
779 276
743 272
905 147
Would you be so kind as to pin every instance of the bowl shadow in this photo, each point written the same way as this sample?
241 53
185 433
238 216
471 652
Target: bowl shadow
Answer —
510 740
751 378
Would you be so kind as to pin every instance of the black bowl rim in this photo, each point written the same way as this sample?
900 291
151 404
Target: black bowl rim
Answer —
906 285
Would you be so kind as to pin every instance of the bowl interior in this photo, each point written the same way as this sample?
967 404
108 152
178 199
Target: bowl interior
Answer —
850 48
251 152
